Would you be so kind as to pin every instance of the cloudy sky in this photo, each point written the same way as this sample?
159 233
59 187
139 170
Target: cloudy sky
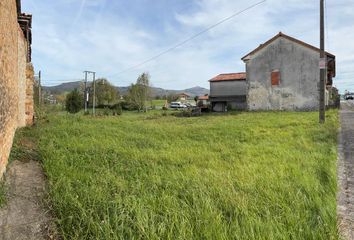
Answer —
111 36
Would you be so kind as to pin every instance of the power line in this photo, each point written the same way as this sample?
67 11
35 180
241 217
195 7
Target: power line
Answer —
190 38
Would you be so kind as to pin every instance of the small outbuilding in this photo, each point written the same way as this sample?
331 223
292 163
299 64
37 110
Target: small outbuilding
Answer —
228 91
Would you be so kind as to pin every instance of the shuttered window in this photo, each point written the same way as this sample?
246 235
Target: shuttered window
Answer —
275 77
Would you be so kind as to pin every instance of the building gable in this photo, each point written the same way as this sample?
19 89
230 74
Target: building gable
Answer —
282 35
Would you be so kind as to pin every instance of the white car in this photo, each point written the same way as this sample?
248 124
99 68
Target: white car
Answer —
177 105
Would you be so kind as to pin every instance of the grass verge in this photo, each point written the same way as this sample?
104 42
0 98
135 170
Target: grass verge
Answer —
237 176
2 194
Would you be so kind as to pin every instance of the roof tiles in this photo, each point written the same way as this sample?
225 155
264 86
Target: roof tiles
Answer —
229 77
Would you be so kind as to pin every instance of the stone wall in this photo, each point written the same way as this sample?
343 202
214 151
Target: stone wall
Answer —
16 79
22 62
29 101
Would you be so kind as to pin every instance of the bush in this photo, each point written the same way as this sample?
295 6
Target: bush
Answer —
74 101
192 112
106 111
229 107
128 106
164 113
103 106
117 109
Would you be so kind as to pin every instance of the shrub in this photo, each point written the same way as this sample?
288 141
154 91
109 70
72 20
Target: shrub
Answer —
128 106
117 109
164 113
191 112
106 111
229 107
74 101
200 104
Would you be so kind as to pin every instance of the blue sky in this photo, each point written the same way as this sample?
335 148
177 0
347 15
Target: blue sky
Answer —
108 36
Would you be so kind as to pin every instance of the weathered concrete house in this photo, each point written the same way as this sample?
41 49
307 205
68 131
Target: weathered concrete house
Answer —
228 91
284 74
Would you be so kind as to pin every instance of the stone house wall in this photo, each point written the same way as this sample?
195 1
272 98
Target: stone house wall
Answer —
16 79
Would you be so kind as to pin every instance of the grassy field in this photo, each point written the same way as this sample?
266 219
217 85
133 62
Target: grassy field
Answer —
148 176
157 103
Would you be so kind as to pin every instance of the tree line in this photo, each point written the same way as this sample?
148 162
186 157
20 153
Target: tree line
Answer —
107 95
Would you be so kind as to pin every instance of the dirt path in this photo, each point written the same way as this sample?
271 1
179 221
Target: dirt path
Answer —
345 198
25 215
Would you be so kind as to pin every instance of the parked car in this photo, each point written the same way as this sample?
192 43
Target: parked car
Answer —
349 96
177 105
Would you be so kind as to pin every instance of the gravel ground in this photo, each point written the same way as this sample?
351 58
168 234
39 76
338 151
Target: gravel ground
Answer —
345 199
25 215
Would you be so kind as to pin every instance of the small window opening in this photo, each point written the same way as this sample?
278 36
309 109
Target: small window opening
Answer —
275 77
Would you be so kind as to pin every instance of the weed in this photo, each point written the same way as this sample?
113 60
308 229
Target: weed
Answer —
2 194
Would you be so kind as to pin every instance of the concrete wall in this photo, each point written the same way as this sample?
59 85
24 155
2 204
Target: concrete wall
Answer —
15 79
228 88
299 74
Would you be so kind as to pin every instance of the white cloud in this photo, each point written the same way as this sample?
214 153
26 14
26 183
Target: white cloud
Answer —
103 39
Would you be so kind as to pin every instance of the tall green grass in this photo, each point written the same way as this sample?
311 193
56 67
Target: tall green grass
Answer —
2 194
237 176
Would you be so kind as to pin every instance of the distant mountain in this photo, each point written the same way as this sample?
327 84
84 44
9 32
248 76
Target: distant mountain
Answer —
62 88
69 86
197 91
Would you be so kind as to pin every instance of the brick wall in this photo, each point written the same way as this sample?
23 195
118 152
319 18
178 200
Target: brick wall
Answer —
16 79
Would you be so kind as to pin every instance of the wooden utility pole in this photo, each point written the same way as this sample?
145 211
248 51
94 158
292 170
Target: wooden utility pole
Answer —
94 93
323 64
39 88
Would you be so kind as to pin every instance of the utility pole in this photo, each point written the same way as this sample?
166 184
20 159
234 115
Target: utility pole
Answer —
323 64
85 92
94 93
94 90
39 88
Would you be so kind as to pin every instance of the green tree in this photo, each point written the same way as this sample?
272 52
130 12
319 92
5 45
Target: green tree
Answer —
106 93
171 98
139 93
74 101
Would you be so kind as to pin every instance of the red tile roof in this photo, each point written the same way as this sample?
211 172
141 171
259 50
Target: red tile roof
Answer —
203 98
229 77
280 34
